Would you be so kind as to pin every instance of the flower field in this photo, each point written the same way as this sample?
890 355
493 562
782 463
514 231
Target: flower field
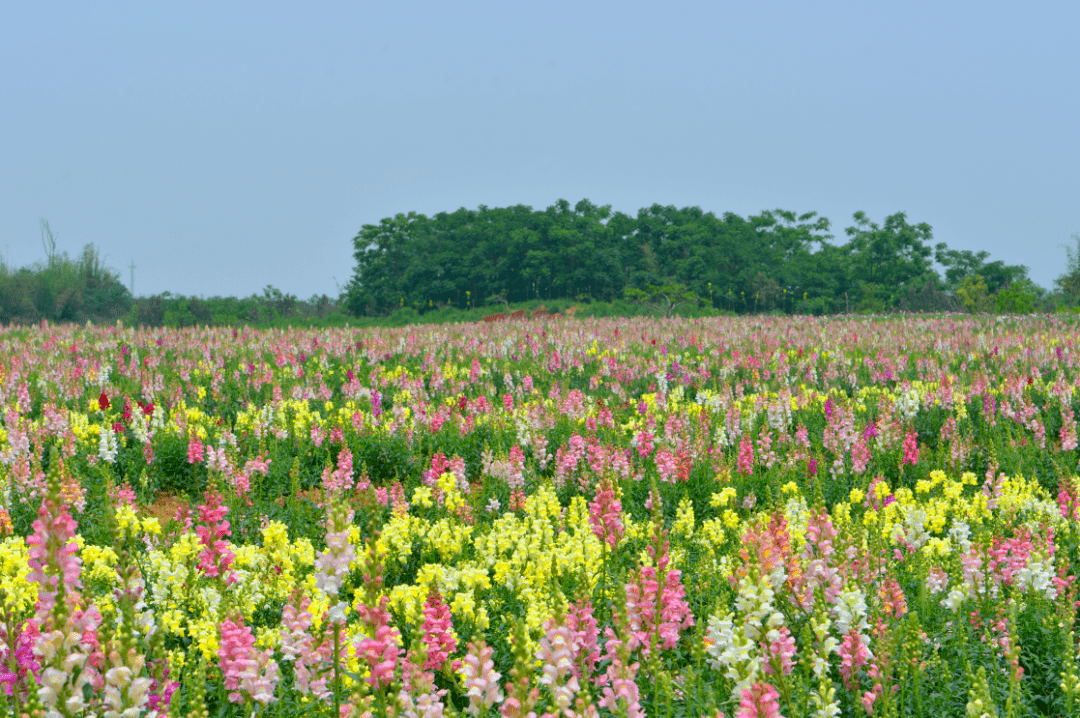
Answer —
748 517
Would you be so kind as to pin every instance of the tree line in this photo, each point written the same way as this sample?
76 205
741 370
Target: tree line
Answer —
62 288
457 266
775 260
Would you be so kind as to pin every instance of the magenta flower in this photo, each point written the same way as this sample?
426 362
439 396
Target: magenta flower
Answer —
22 672
746 456
382 650
911 447
605 514
438 631
195 452
217 554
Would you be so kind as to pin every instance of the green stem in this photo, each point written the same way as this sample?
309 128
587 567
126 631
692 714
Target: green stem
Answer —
337 669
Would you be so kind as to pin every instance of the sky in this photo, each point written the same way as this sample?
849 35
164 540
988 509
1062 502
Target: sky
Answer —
224 147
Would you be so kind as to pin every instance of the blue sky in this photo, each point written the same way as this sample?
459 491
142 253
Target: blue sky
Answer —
223 147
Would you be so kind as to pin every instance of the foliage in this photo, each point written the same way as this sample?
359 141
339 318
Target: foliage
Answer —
973 294
1018 297
62 288
271 308
664 300
777 260
1069 281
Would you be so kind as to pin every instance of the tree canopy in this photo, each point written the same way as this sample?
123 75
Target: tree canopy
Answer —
775 260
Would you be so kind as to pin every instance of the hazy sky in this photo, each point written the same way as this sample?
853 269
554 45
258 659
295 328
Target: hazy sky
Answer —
226 146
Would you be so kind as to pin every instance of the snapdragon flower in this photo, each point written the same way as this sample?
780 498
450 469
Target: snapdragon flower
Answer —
249 673
481 680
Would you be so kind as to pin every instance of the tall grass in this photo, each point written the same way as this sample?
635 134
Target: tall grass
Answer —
62 288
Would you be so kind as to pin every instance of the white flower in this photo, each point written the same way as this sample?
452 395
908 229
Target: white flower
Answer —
119 676
937 580
961 533
336 614
1037 575
850 611
107 446
955 599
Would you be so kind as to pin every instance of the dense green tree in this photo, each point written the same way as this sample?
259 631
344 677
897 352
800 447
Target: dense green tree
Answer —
960 264
775 260
884 261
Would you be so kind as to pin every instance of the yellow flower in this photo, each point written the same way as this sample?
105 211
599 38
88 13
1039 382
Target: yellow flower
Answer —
684 518
127 520
712 535
173 622
463 607
842 513
177 660
204 634
20 593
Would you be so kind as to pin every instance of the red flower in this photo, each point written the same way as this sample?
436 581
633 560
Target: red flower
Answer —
103 401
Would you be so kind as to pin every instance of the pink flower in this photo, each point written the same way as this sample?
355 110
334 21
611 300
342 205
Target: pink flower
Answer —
52 555
656 604
438 631
937 580
217 555
481 678
911 447
245 669
556 655
381 654
782 650
1068 430
582 623
860 455
665 465
22 672
870 697
853 655
382 651
64 632
746 456
605 514
619 686
760 700
195 450
314 660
